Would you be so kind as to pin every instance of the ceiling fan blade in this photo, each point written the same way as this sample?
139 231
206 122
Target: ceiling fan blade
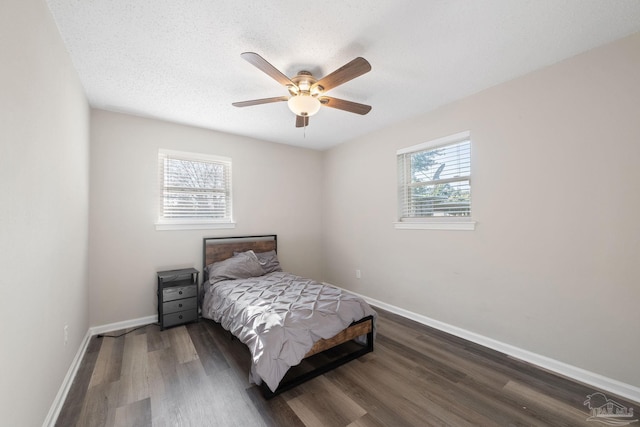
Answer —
260 101
302 121
341 104
349 71
264 66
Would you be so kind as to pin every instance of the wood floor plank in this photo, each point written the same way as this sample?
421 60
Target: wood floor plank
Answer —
133 376
210 356
403 394
322 403
109 362
197 393
368 387
136 414
165 395
485 373
548 408
229 404
429 385
274 412
465 398
156 340
181 344
235 353
367 420
99 406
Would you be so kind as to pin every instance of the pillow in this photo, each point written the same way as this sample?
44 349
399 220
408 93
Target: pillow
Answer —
241 266
269 261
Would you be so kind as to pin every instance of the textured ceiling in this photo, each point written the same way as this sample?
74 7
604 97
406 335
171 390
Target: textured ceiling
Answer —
180 60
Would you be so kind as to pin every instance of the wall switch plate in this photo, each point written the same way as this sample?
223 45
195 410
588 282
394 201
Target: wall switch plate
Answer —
358 274
66 334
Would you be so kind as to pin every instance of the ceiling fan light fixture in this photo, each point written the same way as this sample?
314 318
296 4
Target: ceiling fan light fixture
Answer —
304 105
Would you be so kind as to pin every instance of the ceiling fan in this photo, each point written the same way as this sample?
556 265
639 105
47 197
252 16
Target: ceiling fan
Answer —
307 92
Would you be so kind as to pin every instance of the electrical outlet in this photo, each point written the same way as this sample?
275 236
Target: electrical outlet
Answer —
358 274
66 334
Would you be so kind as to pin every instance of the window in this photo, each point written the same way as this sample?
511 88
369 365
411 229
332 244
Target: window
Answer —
435 184
195 191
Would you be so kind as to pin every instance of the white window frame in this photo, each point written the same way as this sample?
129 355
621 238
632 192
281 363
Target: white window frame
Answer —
193 223
431 223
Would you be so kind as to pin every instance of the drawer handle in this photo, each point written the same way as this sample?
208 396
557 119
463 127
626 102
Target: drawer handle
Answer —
179 305
180 292
180 317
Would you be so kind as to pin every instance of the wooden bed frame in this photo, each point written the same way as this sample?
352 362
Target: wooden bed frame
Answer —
220 248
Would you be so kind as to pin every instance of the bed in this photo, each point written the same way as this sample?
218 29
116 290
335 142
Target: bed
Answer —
282 318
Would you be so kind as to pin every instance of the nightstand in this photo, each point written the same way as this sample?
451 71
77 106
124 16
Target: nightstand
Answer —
177 297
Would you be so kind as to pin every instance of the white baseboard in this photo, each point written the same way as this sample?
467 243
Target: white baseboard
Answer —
56 407
141 321
591 378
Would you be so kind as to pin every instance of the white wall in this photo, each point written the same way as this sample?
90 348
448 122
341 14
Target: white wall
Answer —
553 265
44 201
276 189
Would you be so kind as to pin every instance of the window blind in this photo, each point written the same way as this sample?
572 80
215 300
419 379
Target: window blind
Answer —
435 179
194 187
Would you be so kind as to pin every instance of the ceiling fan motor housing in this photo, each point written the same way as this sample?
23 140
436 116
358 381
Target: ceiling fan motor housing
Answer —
304 82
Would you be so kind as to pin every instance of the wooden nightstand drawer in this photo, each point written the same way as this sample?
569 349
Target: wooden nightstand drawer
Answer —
179 318
179 305
178 292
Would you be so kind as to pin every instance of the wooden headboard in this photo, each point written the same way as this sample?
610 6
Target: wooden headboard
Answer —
220 248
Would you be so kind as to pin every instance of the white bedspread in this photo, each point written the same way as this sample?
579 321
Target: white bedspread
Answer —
279 316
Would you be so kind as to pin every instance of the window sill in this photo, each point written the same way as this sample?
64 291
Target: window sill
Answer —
166 226
436 225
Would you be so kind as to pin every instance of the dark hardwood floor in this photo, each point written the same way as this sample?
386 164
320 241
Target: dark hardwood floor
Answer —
195 375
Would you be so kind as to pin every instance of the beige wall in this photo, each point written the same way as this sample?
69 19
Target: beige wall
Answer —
276 189
44 201
553 265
